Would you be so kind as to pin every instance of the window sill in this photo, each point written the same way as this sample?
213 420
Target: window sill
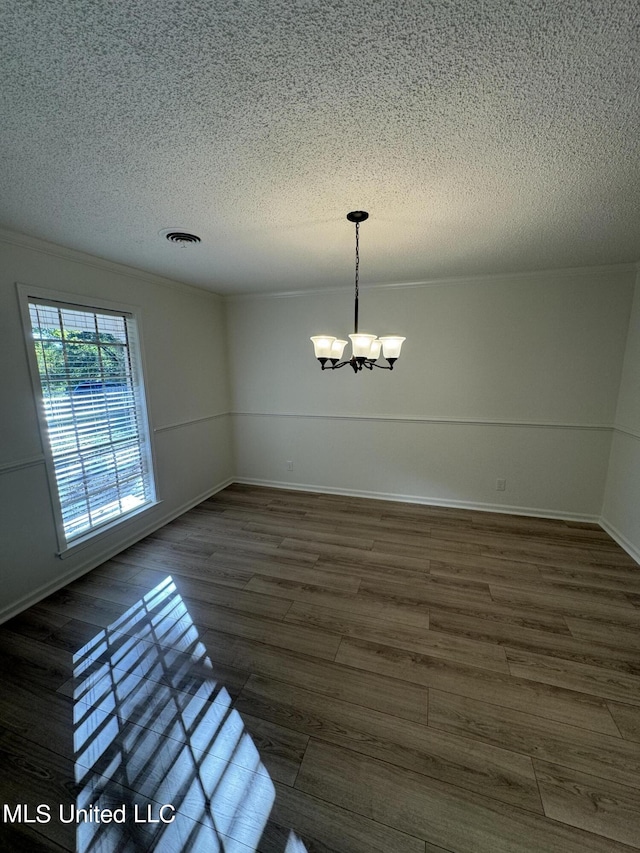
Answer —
95 535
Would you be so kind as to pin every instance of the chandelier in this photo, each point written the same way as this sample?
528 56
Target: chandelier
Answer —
365 348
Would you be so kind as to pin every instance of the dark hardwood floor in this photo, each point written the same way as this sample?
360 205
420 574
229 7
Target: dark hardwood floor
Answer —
288 672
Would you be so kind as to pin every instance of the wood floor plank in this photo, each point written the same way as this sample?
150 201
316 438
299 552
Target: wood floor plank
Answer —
307 519
558 541
611 633
625 580
583 534
238 494
349 556
387 531
609 757
36 622
572 602
599 592
90 688
438 813
255 550
411 513
35 775
175 659
553 644
23 838
239 536
373 571
234 574
627 719
376 607
310 641
445 554
511 614
431 591
494 772
284 515
616 557
162 716
422 550
344 514
85 608
314 533
210 592
585 678
554 703
550 557
591 803
264 515
391 696
45 718
317 575
116 570
225 559
29 661
487 571
281 749
337 830
428 642
280 556
328 504
121 592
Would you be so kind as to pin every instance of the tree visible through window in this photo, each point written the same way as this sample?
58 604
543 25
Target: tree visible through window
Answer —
93 407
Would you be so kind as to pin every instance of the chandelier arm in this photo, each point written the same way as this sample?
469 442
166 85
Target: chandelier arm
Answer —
355 364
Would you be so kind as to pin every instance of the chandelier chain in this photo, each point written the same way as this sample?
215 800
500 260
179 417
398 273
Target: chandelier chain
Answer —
357 277
357 256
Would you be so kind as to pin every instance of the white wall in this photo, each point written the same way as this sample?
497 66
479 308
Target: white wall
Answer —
507 377
621 508
186 376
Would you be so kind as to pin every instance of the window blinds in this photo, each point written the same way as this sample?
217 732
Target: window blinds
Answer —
94 411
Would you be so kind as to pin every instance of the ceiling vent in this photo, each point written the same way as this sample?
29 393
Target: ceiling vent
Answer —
180 238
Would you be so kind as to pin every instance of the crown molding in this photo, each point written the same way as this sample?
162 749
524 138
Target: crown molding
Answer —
36 244
529 277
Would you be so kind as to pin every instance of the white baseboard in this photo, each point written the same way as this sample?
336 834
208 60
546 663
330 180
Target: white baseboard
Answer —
97 559
631 549
534 512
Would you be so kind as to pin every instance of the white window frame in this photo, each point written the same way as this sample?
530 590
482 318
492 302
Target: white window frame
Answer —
27 293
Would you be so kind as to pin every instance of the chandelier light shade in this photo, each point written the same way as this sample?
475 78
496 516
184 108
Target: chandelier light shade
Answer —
365 348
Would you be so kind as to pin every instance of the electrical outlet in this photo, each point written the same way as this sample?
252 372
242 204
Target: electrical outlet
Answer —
501 484
289 465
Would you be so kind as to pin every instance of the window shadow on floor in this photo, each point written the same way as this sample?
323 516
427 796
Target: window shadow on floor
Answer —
162 760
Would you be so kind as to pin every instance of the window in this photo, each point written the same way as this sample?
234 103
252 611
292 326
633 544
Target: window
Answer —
93 408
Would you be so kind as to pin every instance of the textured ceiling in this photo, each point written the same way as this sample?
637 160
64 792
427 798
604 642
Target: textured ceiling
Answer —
482 137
